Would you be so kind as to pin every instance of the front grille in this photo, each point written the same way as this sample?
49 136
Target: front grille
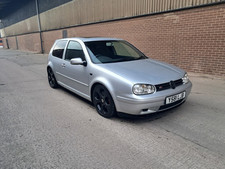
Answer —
165 86
178 82
167 106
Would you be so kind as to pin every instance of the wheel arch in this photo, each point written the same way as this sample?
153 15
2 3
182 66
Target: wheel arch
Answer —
50 65
107 85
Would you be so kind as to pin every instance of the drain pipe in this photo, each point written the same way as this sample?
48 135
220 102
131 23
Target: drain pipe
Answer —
39 25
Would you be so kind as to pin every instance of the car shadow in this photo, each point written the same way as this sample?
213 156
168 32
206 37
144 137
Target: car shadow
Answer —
144 118
148 117
128 117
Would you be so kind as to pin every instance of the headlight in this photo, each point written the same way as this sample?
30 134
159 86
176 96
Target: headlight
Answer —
185 78
140 89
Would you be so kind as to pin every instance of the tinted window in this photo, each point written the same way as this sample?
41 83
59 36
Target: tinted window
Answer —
113 51
59 49
74 50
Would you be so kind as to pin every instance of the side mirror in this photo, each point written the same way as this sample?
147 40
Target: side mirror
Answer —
78 61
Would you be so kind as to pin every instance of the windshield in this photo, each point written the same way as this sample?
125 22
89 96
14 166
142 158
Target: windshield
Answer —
112 51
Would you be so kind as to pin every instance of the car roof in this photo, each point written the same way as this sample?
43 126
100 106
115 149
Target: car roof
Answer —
89 39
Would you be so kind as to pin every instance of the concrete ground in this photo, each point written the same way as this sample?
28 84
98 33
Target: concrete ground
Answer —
41 127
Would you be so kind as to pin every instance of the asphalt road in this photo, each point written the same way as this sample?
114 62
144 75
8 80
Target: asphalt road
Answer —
42 127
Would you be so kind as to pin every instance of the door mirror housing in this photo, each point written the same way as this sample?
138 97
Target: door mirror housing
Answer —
78 61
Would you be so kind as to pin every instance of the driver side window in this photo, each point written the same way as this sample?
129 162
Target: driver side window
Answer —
74 50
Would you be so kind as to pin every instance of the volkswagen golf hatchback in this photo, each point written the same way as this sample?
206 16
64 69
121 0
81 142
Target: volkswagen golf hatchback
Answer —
116 76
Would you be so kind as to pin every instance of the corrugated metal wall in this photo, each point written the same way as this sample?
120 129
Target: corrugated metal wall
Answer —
79 12
97 10
89 11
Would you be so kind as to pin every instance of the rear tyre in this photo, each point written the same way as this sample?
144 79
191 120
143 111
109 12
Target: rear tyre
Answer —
51 79
103 101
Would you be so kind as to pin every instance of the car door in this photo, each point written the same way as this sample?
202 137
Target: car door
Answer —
57 58
75 77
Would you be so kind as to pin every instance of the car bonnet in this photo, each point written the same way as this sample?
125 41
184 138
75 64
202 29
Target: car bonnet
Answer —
144 71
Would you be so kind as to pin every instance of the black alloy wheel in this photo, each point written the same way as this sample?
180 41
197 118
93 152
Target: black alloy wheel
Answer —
103 101
51 78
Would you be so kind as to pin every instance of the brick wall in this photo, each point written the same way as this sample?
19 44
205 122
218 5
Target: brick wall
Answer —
12 42
49 38
29 42
192 39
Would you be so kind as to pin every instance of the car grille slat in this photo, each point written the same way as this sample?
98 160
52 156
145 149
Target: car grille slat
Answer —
165 86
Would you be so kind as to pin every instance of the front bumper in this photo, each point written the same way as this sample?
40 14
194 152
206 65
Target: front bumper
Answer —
146 104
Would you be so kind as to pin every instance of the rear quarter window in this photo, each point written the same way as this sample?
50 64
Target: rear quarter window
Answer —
59 49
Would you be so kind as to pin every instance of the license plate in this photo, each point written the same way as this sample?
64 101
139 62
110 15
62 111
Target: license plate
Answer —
174 98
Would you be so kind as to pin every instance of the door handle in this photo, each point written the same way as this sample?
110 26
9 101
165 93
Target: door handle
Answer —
63 65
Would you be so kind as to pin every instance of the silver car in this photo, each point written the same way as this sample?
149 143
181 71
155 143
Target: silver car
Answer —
116 76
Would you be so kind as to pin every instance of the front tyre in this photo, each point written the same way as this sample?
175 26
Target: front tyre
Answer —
51 78
103 101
